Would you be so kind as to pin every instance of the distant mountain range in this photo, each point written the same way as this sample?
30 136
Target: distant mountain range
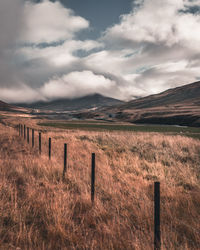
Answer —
178 106
76 104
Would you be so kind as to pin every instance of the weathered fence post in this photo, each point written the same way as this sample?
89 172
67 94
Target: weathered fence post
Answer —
157 234
32 137
21 130
40 146
65 160
49 148
24 132
28 135
93 177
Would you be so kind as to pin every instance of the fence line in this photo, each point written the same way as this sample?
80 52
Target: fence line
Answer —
157 231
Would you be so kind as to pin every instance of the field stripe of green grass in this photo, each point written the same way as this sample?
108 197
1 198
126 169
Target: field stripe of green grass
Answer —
188 131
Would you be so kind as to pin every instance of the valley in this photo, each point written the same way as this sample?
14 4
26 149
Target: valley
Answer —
42 210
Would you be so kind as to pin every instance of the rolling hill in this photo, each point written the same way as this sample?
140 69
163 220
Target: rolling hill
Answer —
185 95
82 103
178 106
12 108
6 107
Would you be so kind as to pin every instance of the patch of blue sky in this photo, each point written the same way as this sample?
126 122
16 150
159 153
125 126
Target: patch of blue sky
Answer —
41 45
142 69
133 53
81 53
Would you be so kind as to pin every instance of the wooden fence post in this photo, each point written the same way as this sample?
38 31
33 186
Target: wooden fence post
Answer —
40 146
28 135
65 160
24 132
49 148
32 137
93 178
21 130
157 234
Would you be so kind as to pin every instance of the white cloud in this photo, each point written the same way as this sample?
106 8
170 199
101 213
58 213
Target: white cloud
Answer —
75 84
154 47
157 22
172 66
59 55
164 38
48 22
22 93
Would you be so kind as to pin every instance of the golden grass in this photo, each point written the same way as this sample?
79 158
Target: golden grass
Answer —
40 211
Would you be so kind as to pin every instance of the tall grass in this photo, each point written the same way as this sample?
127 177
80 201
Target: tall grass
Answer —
40 211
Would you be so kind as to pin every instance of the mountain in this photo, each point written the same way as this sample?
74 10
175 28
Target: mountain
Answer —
4 106
11 108
188 94
178 106
87 102
7 107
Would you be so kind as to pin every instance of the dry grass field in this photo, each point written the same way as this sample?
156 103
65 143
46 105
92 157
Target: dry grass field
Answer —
40 211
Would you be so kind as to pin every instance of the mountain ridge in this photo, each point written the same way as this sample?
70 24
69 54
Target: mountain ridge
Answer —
175 106
189 92
6 107
73 104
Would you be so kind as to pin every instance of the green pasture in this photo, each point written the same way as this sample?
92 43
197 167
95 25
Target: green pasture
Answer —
100 126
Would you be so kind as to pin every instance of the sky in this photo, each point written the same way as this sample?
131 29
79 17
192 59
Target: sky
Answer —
124 49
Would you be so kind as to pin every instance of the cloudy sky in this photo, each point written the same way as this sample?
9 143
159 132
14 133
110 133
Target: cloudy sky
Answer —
118 48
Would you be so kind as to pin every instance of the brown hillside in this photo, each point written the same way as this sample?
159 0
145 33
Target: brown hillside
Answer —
188 94
5 107
12 108
178 106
